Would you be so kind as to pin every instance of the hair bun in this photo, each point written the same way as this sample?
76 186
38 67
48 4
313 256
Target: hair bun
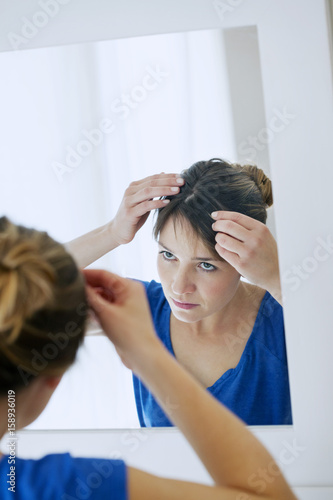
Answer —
25 282
262 181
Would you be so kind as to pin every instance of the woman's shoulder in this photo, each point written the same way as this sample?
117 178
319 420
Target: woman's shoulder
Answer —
154 292
159 307
71 476
268 331
152 286
263 302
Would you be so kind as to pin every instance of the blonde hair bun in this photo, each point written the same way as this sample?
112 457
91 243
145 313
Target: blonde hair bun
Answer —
43 306
26 281
262 181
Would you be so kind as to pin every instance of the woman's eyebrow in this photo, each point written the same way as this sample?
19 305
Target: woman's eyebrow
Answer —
205 259
162 245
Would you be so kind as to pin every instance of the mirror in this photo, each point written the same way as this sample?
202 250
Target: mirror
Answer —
80 122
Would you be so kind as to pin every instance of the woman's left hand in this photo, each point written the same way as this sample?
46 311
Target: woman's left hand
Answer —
248 246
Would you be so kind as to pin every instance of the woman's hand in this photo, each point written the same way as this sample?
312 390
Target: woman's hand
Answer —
133 212
248 246
139 200
122 309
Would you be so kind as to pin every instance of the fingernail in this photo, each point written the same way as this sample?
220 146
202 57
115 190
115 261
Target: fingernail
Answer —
213 214
166 201
174 189
180 180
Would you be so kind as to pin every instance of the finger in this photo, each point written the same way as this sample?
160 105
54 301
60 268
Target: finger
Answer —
108 281
232 258
244 220
149 192
103 292
147 206
165 180
228 243
231 228
160 179
96 302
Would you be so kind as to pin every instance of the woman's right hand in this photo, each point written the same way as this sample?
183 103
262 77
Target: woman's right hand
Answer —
138 201
122 309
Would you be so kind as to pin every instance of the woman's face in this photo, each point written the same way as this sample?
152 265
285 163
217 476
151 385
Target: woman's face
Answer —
195 283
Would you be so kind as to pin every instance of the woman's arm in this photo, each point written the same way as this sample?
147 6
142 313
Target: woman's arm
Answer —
93 245
133 212
231 454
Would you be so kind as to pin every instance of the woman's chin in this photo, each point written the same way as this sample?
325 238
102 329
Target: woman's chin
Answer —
186 316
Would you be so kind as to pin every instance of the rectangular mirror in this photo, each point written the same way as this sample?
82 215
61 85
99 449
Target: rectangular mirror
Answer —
80 122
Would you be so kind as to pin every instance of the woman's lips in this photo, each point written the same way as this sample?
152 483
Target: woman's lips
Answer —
184 305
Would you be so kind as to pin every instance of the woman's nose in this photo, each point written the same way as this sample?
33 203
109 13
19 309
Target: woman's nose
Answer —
182 283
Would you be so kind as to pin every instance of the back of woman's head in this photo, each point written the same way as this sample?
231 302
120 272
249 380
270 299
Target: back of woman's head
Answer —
43 306
217 185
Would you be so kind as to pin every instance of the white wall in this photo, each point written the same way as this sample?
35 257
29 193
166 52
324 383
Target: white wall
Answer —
297 78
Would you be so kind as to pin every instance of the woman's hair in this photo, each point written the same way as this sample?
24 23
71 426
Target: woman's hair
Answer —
216 185
43 306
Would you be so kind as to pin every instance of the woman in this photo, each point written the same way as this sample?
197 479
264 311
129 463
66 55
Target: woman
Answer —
228 333
43 310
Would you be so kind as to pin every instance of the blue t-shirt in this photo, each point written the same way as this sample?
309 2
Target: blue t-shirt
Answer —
257 389
62 477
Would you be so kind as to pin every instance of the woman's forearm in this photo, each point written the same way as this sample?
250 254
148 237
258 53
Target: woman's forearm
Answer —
93 245
230 452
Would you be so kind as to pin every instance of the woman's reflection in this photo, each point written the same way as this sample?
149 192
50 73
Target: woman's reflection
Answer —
228 333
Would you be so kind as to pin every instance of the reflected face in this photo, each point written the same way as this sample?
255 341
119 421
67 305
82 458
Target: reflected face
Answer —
195 283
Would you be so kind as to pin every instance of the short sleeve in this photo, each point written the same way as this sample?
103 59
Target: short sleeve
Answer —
63 477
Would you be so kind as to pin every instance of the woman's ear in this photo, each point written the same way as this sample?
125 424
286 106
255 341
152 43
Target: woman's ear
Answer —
53 382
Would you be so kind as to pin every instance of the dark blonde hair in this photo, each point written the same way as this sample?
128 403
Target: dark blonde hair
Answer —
43 306
216 185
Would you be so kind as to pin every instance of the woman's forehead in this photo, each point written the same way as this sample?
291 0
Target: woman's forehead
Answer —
179 228
178 234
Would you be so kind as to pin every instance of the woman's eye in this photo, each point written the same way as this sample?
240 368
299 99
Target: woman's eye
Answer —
167 255
206 266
